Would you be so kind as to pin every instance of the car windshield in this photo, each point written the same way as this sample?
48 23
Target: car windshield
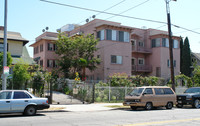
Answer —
192 90
136 91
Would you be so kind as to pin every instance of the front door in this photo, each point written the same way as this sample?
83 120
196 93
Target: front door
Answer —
5 101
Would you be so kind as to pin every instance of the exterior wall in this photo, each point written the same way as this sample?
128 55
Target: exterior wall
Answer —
14 47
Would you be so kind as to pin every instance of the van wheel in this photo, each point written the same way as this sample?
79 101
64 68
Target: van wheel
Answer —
169 105
30 110
133 107
179 106
148 106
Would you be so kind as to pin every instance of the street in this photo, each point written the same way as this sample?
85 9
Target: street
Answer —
116 117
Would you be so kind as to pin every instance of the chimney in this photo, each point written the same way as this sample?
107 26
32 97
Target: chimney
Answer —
1 28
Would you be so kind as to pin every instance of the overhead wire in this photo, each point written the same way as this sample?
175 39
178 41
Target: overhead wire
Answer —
107 9
149 20
129 9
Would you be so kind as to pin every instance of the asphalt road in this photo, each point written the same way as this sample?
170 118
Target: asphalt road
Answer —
117 117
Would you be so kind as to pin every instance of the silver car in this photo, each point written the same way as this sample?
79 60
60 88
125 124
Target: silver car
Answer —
21 101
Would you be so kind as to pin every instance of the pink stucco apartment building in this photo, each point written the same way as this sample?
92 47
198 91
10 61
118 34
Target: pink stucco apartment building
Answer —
122 49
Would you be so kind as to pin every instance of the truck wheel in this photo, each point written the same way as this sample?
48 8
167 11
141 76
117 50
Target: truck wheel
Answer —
179 106
30 110
197 103
148 106
169 105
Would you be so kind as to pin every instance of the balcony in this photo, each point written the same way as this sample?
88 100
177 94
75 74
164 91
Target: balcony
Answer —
139 49
141 68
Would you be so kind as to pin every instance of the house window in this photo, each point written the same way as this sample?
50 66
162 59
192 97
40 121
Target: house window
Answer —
100 35
155 42
49 63
175 44
121 36
108 34
41 63
126 37
158 72
41 47
141 44
168 63
133 61
165 42
36 50
140 61
1 47
133 42
50 46
116 59
114 35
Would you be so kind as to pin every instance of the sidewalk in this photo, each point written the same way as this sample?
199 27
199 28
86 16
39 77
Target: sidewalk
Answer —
84 107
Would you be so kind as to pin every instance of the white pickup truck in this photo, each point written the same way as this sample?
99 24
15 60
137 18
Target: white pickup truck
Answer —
21 101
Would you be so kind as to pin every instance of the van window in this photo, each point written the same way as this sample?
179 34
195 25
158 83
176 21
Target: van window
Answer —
159 91
168 91
148 91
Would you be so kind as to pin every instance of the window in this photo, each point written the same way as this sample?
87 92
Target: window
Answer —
116 59
20 95
1 47
41 63
121 36
165 42
100 35
108 34
41 47
133 42
141 44
114 35
168 63
175 44
140 61
50 46
159 91
5 95
126 37
133 61
148 91
168 91
49 63
155 42
158 72
36 50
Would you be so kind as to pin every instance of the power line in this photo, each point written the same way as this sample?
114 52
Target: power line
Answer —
130 8
117 15
107 9
103 12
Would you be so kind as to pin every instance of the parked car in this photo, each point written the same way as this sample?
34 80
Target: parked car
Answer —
21 101
191 96
151 96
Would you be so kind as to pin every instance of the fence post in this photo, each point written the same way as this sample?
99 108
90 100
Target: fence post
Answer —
109 92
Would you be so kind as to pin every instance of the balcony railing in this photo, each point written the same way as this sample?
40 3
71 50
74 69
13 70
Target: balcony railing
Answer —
142 68
141 49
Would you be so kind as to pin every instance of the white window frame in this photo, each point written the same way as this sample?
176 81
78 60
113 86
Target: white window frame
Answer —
102 36
118 59
126 37
139 61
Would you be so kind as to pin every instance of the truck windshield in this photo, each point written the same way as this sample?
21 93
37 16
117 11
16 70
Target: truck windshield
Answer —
136 91
192 90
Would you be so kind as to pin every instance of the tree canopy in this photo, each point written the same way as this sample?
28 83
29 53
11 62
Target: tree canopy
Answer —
76 53
186 58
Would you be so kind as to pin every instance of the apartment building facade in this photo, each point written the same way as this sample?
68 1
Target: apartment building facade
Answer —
122 49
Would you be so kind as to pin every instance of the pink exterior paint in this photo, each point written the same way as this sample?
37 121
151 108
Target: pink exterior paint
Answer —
147 60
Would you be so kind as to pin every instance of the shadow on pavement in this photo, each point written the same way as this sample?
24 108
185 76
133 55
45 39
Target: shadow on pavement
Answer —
16 115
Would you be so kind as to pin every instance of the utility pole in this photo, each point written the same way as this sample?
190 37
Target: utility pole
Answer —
5 48
170 44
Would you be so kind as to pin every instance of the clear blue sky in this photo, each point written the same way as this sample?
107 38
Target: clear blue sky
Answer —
29 17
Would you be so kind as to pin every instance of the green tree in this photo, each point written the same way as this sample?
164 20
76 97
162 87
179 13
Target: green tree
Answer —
186 63
76 53
20 75
196 75
9 61
181 55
